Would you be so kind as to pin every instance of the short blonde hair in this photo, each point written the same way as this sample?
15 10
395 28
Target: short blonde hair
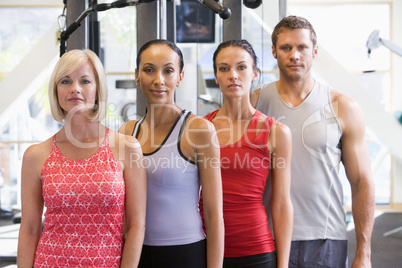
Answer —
67 64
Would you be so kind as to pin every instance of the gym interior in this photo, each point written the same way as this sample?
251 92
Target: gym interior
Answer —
360 55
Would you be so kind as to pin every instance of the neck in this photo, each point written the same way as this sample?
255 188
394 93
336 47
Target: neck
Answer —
294 92
237 108
299 88
81 129
162 114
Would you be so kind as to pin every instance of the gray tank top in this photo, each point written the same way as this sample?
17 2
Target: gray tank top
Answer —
316 188
173 187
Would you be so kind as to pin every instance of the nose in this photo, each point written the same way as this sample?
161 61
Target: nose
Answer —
75 87
294 54
233 74
159 79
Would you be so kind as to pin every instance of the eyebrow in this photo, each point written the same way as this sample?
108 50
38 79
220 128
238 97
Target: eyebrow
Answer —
224 63
86 75
290 45
151 64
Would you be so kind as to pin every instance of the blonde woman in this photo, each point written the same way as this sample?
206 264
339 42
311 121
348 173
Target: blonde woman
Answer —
84 178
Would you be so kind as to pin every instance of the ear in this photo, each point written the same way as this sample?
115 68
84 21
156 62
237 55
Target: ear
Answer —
216 81
137 79
273 51
181 76
255 74
315 51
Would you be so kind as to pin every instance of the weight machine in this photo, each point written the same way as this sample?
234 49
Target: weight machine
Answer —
155 18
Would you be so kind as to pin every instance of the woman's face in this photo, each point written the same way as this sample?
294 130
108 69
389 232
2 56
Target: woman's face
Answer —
77 90
159 74
234 71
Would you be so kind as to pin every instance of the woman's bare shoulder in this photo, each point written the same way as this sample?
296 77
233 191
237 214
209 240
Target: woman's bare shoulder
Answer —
128 127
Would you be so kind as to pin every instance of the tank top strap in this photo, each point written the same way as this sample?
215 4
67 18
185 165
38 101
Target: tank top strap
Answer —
254 120
55 150
252 126
266 128
137 125
263 135
175 132
106 141
211 115
178 127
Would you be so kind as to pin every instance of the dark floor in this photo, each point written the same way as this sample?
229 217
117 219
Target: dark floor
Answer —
386 250
5 263
5 221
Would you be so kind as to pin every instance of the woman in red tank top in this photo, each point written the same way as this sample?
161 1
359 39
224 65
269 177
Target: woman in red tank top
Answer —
84 176
252 145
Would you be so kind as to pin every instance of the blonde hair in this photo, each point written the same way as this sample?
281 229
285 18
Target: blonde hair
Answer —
67 64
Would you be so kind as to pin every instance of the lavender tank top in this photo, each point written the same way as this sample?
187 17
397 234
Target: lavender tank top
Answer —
173 191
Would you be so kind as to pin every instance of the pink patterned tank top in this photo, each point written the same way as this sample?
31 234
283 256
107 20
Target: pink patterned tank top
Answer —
84 216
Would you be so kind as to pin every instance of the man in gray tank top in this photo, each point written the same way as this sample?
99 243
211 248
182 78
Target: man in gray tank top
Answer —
327 127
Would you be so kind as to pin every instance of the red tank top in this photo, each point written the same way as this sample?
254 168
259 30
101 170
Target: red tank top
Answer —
84 216
245 168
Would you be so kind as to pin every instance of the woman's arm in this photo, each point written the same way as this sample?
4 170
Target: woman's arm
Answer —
203 138
135 204
31 206
281 205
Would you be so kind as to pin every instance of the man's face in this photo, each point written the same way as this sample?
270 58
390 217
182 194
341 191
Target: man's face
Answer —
294 52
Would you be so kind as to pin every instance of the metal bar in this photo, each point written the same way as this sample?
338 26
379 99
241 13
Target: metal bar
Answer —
233 26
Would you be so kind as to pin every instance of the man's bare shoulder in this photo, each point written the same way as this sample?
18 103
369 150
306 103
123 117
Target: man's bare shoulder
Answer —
343 101
338 96
347 110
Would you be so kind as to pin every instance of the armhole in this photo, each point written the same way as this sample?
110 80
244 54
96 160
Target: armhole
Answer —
335 116
53 150
179 139
269 122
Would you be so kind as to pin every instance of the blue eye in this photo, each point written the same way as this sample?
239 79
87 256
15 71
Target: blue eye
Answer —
64 81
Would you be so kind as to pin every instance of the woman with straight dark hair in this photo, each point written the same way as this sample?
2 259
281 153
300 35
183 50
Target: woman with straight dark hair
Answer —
252 145
180 156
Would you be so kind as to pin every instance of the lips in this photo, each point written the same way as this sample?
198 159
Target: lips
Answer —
295 66
232 86
75 99
158 92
